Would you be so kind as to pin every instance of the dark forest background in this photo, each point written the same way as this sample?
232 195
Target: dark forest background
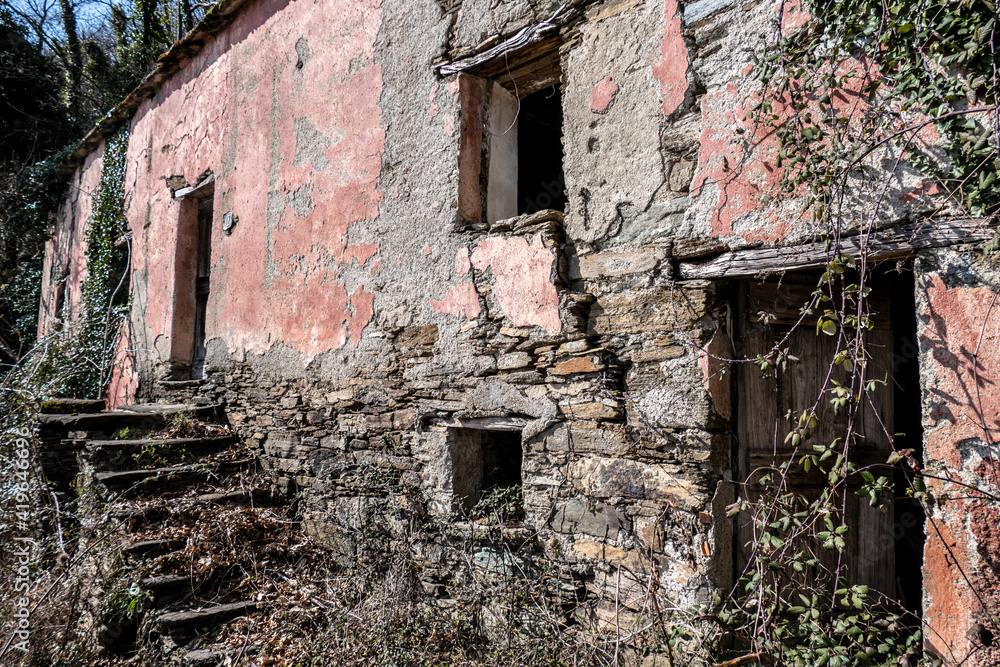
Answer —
63 65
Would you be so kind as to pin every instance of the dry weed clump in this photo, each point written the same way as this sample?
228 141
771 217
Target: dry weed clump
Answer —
313 611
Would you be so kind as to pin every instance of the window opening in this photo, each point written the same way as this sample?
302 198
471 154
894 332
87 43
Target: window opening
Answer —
541 183
486 464
60 305
511 149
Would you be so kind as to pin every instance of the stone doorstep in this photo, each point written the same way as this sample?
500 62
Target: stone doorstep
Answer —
171 476
179 620
154 547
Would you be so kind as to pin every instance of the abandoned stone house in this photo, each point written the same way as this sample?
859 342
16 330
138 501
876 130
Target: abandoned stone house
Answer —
500 243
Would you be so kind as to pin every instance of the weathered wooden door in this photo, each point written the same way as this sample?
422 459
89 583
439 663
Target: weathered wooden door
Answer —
766 314
201 285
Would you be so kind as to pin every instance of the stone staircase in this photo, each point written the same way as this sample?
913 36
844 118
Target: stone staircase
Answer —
185 512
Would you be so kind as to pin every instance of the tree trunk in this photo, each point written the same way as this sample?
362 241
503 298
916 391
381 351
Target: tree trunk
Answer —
72 58
148 18
185 21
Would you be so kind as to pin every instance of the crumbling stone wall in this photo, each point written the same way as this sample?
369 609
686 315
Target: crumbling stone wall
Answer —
356 318
362 309
64 267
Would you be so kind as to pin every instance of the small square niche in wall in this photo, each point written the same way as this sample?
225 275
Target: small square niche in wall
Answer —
484 461
473 468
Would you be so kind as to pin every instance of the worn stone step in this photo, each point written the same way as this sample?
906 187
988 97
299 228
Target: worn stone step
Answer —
139 416
147 548
201 657
242 497
69 406
180 384
167 588
195 445
180 620
170 477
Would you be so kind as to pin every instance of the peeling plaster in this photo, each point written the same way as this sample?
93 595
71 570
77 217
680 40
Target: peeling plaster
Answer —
958 327
461 300
300 159
670 63
523 280
603 95
462 262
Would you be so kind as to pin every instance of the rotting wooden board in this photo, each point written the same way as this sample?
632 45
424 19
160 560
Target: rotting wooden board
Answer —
513 51
892 243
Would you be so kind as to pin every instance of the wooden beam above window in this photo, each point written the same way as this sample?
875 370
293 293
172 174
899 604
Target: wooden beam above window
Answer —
530 57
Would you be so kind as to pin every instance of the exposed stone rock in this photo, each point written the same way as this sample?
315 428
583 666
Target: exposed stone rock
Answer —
580 516
577 365
621 478
650 310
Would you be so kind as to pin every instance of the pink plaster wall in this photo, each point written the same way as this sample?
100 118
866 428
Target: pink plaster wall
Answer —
295 144
793 16
64 251
460 300
959 330
124 380
743 166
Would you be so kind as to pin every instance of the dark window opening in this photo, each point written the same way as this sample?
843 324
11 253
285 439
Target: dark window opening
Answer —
487 470
60 305
541 183
502 456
